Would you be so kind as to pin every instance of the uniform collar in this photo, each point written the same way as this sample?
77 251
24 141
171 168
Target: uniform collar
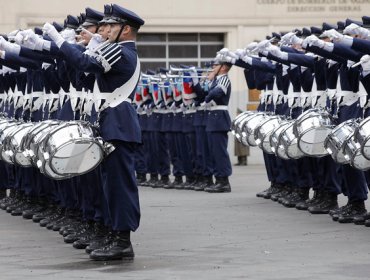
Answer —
219 76
128 41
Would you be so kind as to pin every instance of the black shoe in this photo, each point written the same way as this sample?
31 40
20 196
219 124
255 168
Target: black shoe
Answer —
335 213
164 181
86 229
273 189
191 184
360 220
120 248
289 192
329 202
222 185
302 195
206 182
141 179
281 192
316 199
356 209
99 243
38 216
188 180
98 233
2 194
177 181
153 180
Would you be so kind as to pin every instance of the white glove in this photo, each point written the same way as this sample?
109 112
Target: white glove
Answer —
251 46
332 34
194 77
9 47
365 63
95 41
263 45
314 41
229 59
287 38
30 40
223 51
241 53
247 59
53 34
232 55
295 40
354 29
69 35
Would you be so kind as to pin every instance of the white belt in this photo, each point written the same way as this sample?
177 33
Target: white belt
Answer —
291 98
306 99
160 111
179 110
331 93
346 98
319 99
277 97
218 107
190 111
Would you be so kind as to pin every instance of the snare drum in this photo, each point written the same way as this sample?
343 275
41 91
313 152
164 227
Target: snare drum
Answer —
13 144
289 141
336 139
238 123
5 154
72 148
274 140
263 132
362 136
311 128
352 153
250 126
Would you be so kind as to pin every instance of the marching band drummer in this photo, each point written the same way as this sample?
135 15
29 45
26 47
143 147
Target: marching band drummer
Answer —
121 72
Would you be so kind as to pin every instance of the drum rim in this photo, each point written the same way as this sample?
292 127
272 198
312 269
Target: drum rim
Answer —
51 155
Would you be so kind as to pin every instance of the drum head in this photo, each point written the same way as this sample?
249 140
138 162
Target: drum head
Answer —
76 157
312 141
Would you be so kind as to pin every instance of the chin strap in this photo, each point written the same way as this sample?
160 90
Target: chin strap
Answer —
119 33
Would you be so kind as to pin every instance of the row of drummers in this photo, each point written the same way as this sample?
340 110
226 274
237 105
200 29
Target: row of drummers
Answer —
312 134
59 149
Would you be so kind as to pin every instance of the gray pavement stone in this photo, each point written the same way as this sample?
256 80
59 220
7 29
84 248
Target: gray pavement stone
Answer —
196 235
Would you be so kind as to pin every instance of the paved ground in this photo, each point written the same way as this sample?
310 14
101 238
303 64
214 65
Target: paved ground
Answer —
191 235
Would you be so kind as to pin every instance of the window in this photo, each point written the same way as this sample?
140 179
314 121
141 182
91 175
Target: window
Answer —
164 49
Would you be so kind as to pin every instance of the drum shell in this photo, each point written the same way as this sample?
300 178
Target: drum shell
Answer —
362 136
72 138
263 132
311 129
352 151
250 126
290 142
274 137
335 141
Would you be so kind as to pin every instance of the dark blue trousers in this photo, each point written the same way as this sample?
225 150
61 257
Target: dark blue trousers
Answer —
119 186
221 164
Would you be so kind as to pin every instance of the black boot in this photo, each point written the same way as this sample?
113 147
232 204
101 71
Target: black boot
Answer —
177 181
2 194
330 202
361 220
356 209
206 182
287 194
99 232
188 180
274 188
316 199
100 243
222 185
301 195
29 204
153 180
5 202
191 185
120 248
335 213
141 179
281 192
165 180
